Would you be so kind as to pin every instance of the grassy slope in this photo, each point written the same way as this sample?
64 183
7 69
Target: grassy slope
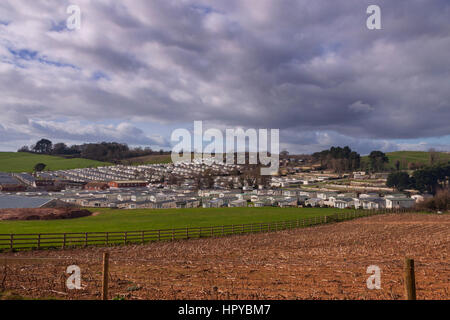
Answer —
147 219
24 162
415 156
412 156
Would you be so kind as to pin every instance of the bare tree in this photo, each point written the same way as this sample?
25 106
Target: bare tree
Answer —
434 156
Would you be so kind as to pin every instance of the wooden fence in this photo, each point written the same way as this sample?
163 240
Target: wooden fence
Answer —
70 240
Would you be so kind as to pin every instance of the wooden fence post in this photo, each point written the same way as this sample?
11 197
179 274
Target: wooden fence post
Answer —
85 239
410 281
143 237
11 242
105 276
39 241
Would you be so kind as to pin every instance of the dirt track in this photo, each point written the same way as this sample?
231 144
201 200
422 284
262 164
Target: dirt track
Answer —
325 262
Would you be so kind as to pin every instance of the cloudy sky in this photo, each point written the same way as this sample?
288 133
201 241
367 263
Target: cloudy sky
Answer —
138 69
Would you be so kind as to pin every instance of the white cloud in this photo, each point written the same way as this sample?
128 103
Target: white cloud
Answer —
76 131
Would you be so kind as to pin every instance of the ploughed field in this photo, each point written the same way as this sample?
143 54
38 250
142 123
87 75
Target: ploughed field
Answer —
322 262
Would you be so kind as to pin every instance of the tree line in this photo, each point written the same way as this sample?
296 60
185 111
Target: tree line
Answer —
345 160
429 179
338 159
103 151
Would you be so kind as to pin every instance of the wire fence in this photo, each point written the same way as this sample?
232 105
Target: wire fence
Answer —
13 242
48 278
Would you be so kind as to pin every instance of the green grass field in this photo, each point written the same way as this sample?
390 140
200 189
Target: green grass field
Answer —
411 156
415 156
147 219
25 162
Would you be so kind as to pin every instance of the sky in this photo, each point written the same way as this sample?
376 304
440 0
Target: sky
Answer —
138 69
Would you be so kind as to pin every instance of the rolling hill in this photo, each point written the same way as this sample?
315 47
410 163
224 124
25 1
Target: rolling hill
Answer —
151 159
25 162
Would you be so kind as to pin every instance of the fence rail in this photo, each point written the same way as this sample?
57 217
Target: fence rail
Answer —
69 240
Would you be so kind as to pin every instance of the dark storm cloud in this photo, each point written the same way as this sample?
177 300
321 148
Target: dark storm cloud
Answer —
311 68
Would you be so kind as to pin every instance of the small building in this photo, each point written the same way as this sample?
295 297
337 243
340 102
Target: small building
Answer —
371 203
96 186
70 185
213 203
167 204
43 183
127 184
238 203
313 202
343 203
398 203
95 203
359 175
12 188
288 203
260 204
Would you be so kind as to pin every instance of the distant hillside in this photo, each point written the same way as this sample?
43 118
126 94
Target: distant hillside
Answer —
406 157
151 159
25 162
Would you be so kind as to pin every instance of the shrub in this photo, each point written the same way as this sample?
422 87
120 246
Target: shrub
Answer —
440 202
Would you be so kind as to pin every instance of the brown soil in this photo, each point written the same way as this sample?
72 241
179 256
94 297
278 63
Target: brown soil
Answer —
324 262
42 214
